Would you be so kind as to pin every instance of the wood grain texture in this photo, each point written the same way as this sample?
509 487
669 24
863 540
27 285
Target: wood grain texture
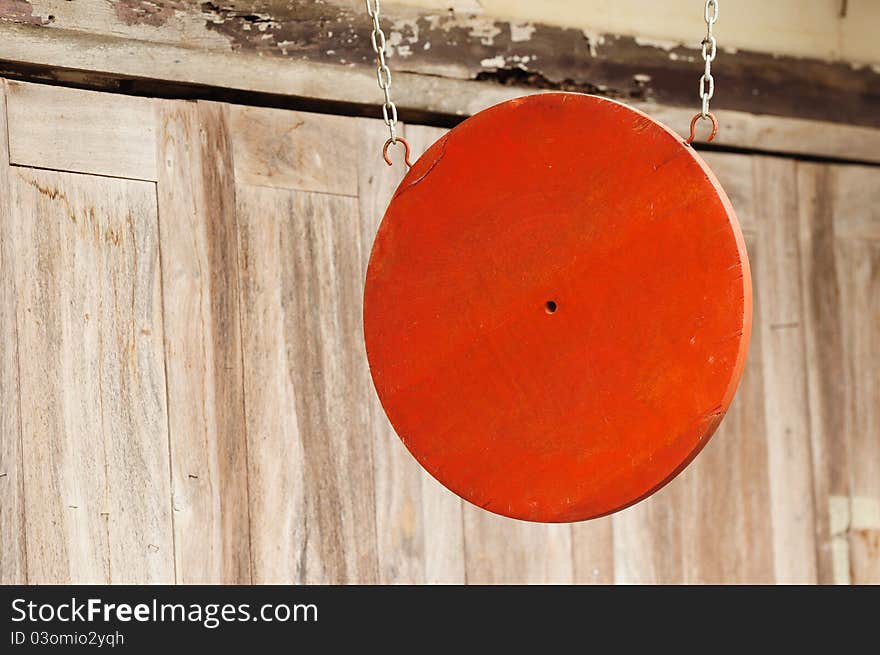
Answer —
825 359
250 298
418 522
112 62
13 537
313 501
648 539
854 195
734 172
505 551
592 549
400 528
270 46
838 239
849 195
294 150
82 131
726 513
860 294
199 247
93 391
785 379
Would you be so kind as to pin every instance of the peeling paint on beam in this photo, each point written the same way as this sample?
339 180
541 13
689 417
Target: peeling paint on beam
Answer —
146 12
21 11
546 57
464 46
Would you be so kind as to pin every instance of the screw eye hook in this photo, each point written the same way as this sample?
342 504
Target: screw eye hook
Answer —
391 142
709 116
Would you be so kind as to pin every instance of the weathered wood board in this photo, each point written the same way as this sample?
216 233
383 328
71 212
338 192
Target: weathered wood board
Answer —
446 65
204 42
185 394
92 394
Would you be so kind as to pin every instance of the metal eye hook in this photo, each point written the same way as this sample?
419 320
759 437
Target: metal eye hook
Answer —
694 120
391 142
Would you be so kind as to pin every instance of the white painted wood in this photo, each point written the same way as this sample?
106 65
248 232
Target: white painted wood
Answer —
251 72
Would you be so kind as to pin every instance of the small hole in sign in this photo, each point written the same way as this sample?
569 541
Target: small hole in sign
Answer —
550 306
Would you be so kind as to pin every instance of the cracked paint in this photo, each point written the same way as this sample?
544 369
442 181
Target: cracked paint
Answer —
470 45
146 12
21 11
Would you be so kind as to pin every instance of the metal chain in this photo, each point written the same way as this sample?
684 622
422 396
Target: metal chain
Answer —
709 50
383 73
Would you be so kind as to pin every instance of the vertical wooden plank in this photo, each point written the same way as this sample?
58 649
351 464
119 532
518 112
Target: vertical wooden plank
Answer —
500 550
593 551
203 359
13 553
734 172
839 230
280 549
648 539
399 532
825 362
786 404
858 263
59 304
398 478
727 510
93 388
418 521
441 517
442 525
311 469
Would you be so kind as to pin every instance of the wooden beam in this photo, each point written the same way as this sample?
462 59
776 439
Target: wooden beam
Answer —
444 65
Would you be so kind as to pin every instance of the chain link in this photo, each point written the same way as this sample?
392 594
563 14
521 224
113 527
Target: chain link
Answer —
383 73
709 49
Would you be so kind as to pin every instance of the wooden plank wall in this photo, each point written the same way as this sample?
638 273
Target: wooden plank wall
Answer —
184 394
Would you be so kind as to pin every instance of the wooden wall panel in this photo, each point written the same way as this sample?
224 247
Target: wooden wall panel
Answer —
847 254
823 311
185 393
778 292
592 549
200 275
313 501
400 529
734 171
419 526
502 550
74 130
648 539
94 423
13 537
726 516
860 294
294 150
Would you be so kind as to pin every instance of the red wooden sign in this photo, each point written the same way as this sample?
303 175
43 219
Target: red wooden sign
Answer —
557 308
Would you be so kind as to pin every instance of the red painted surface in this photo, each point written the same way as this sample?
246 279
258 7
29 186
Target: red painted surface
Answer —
569 414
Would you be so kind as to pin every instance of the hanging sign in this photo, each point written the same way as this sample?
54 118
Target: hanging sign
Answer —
557 307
